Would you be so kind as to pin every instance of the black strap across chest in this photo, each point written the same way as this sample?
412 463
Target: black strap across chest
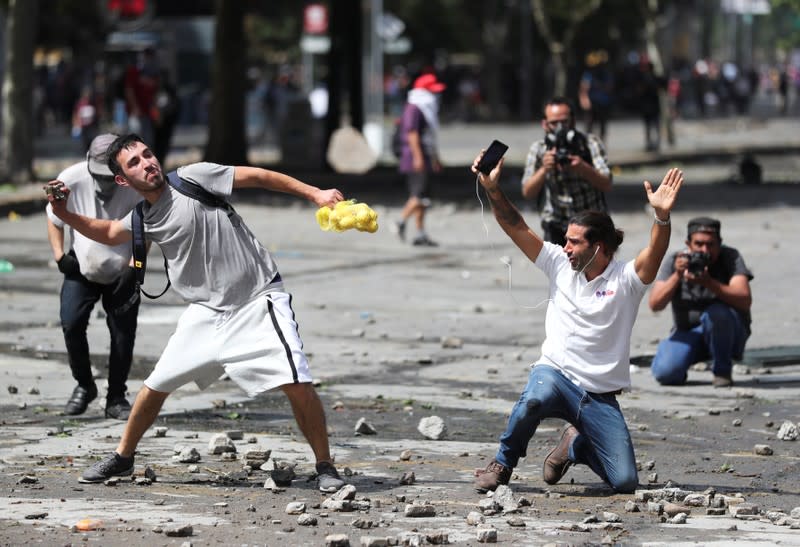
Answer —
139 241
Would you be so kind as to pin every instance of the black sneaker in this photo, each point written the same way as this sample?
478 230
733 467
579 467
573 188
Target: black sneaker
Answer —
424 241
328 477
400 229
118 408
80 399
110 466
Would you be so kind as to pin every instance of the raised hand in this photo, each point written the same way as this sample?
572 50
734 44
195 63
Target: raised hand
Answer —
663 199
490 180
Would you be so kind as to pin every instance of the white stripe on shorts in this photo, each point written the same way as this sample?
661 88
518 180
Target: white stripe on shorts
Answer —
257 345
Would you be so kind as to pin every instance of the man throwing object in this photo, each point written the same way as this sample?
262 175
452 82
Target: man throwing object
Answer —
239 321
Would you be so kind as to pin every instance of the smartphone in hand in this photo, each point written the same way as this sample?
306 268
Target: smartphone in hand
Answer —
492 155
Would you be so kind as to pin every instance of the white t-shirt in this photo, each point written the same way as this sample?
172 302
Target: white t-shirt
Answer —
588 324
99 263
214 260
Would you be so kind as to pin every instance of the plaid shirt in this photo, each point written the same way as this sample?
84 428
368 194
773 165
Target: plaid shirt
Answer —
565 193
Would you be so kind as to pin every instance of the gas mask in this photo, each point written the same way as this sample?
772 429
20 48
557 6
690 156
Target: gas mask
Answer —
104 186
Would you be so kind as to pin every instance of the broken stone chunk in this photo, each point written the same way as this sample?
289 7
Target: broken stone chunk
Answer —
346 492
235 434
417 510
788 431
452 342
363 427
179 531
187 455
763 450
306 520
337 540
283 477
256 457
474 518
220 443
680 518
432 427
486 535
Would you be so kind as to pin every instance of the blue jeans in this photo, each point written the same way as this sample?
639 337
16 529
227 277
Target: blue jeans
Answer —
720 336
78 297
603 443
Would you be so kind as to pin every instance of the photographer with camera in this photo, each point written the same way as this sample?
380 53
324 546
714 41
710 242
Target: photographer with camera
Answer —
93 271
708 285
567 171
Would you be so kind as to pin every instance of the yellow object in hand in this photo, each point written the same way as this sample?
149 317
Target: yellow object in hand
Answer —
346 215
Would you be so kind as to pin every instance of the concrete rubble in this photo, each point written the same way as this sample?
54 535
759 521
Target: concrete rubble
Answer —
226 469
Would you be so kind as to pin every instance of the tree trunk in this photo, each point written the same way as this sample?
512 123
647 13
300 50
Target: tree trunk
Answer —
227 138
344 79
575 13
650 11
16 148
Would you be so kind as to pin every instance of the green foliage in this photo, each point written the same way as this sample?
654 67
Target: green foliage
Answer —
784 21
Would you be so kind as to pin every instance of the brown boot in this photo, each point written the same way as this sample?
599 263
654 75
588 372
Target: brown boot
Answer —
557 461
493 476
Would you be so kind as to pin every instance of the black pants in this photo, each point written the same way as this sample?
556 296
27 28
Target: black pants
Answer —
78 297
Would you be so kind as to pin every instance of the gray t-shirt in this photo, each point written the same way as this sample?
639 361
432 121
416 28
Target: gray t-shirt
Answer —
99 263
213 259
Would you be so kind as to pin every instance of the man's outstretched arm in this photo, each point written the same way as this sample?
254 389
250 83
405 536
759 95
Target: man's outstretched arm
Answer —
662 200
254 177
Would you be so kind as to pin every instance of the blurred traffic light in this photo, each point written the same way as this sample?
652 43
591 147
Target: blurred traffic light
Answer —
127 9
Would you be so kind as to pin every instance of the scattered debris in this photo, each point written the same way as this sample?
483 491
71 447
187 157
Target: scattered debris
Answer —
432 427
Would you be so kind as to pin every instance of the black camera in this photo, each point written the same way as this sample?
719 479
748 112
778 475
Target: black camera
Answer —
567 142
698 261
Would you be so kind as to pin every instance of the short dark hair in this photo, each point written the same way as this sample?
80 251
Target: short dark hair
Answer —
599 228
117 146
558 101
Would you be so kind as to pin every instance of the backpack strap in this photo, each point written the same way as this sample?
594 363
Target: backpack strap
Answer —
140 251
187 188
195 191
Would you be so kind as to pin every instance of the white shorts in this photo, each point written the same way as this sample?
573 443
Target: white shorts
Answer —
256 345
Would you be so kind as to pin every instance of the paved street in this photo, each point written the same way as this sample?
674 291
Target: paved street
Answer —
374 315
396 334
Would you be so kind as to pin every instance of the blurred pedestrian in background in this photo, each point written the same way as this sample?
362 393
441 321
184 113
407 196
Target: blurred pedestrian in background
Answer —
420 153
596 92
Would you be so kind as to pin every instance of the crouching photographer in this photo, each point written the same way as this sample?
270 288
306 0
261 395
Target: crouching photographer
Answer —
708 285
567 171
